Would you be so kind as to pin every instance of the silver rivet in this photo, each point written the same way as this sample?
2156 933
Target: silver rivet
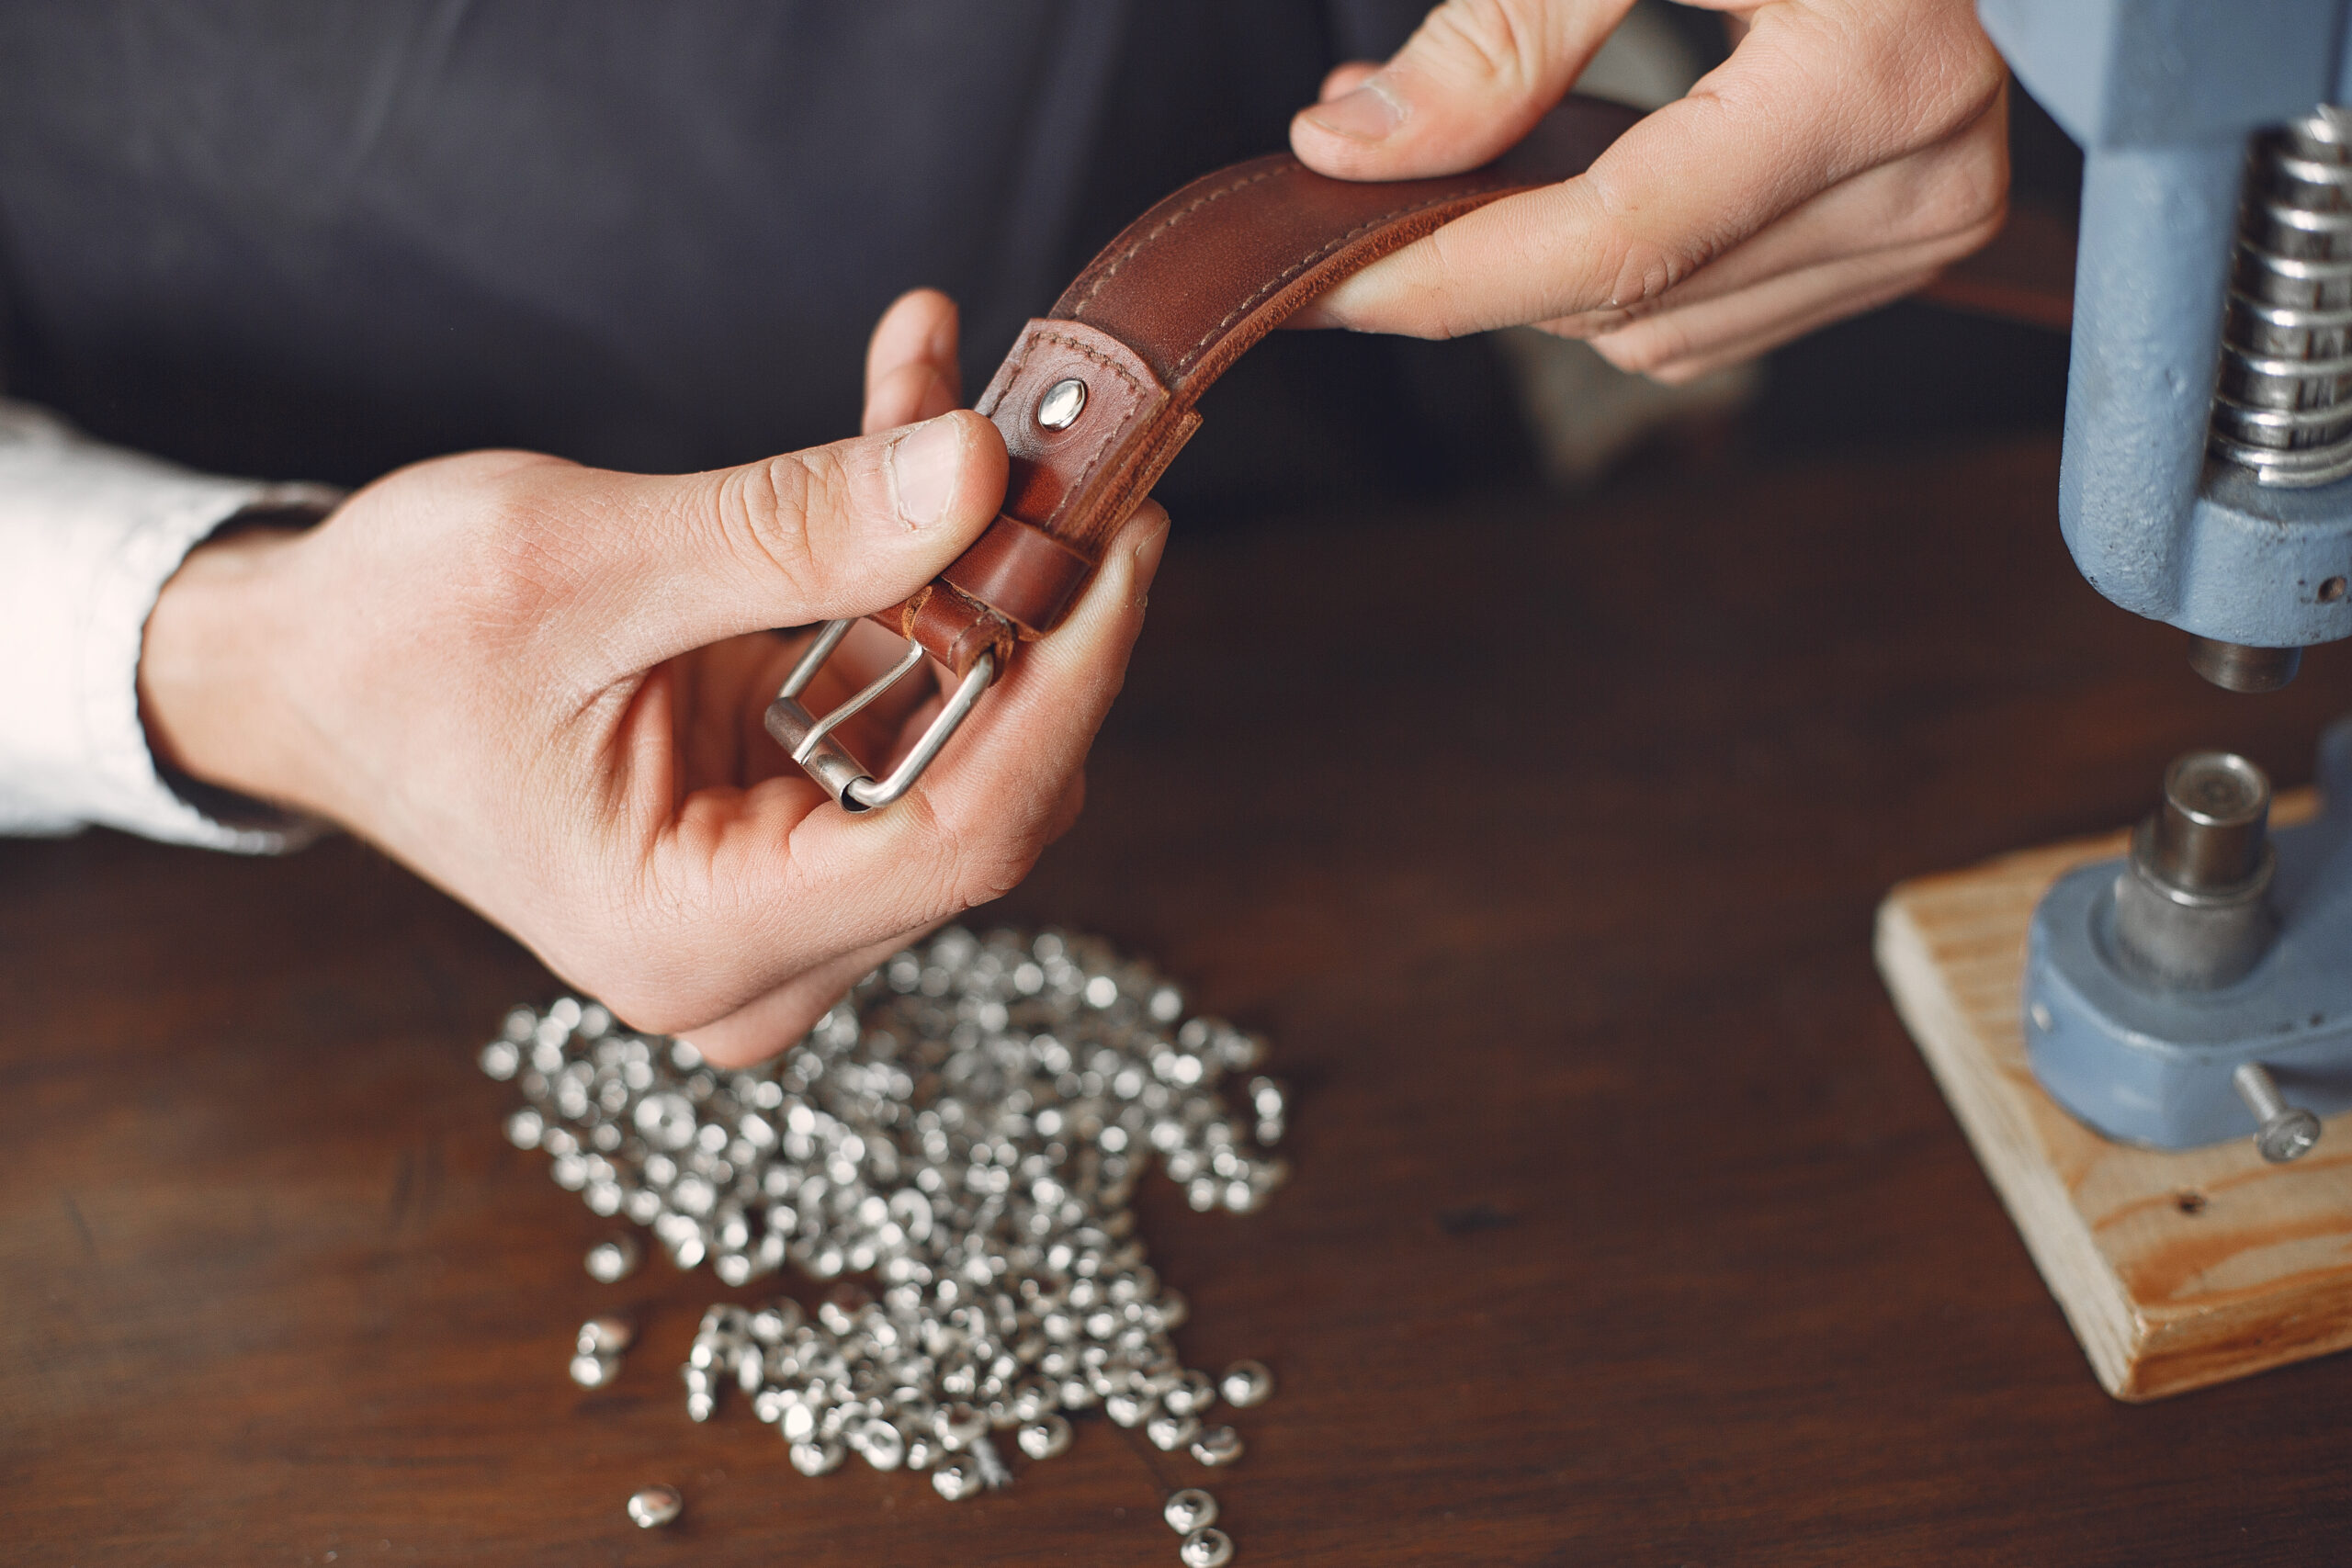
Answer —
1206 1547
1246 1383
1217 1445
591 1370
1032 1397
1061 405
1189 1510
818 1456
884 1446
607 1336
1169 1433
610 1262
1192 1394
525 1127
655 1507
959 1424
773 1322
957 1332
1044 1438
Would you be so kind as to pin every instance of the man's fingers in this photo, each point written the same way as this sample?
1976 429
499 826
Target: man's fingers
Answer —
1813 97
758 884
975 823
772 1022
1467 84
1688 342
677 563
907 393
673 563
1941 203
910 367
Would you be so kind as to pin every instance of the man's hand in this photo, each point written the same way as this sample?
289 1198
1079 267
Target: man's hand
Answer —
1844 152
541 686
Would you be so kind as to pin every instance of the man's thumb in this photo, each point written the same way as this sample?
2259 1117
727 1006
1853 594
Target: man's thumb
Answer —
1467 84
830 532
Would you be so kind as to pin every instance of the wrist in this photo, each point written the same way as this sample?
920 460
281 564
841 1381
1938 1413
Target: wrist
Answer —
208 665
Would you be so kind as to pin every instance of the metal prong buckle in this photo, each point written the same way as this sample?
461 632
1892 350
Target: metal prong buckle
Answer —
810 741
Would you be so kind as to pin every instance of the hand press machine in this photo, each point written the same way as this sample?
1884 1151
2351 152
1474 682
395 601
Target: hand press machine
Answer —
2196 989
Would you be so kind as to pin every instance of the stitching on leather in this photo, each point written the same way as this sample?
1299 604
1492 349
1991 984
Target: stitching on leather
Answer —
1018 361
1001 635
1088 351
1289 166
1175 218
1093 459
1015 364
1275 284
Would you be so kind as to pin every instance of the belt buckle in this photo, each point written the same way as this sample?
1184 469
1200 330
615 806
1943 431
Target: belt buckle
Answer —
810 741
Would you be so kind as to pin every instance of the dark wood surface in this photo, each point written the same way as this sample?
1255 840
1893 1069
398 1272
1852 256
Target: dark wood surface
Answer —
1627 1227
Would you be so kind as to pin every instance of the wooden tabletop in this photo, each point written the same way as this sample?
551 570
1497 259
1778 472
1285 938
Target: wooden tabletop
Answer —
1627 1227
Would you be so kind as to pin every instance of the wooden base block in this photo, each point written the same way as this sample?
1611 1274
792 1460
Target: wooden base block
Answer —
2176 1269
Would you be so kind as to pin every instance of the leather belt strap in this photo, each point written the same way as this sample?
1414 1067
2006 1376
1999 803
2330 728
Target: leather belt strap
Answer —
1146 329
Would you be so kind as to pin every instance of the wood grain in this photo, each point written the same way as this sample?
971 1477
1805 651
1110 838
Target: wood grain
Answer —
2177 1269
1626 1226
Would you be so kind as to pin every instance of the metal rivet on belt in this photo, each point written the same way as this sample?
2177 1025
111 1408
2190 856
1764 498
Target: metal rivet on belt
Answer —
1061 405
964 1132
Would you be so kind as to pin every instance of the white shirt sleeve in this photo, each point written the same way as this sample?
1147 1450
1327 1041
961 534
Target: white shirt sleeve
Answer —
89 533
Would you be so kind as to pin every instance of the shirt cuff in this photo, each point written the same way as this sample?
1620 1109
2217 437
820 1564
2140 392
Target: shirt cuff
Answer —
89 533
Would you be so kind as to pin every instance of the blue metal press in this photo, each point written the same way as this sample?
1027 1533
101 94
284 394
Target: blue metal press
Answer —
2201 989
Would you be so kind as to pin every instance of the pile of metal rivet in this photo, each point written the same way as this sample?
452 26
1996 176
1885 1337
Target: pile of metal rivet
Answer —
965 1131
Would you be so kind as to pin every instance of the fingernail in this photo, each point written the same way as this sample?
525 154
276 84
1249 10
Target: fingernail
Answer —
1368 113
925 464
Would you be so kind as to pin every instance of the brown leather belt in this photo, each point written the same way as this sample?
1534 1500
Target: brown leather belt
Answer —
1097 397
